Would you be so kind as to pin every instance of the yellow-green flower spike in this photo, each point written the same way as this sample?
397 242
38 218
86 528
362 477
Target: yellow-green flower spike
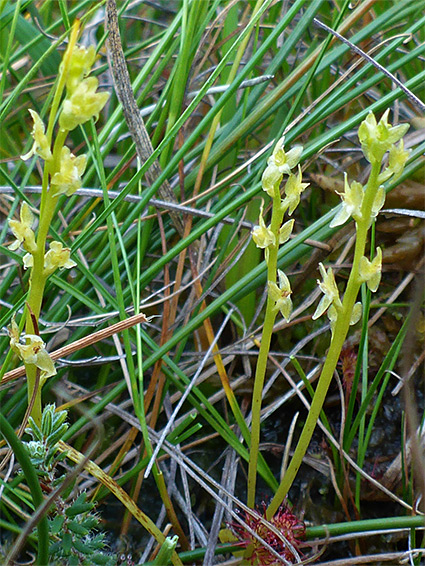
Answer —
40 146
68 179
22 230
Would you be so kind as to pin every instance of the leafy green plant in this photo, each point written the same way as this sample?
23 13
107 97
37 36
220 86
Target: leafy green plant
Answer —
73 527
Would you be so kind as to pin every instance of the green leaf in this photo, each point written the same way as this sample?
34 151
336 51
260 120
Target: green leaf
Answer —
47 420
56 524
78 508
66 543
77 528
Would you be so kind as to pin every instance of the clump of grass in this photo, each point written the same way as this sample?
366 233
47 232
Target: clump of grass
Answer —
200 279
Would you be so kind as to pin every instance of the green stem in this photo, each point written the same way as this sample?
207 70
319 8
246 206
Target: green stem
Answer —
35 298
260 372
338 337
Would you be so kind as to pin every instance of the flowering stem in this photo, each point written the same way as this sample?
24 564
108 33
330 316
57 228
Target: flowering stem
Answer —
47 208
260 372
339 334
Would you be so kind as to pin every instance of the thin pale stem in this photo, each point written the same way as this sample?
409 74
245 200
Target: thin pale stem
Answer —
338 337
260 372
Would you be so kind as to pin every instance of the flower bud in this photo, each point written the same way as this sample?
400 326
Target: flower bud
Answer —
271 177
285 231
80 63
356 315
329 288
378 202
397 159
285 161
28 260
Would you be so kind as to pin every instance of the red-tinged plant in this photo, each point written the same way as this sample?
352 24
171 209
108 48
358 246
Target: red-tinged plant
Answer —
284 533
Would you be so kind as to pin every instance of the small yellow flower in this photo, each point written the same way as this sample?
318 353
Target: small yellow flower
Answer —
83 104
352 199
68 179
397 159
33 351
370 271
293 189
263 236
281 295
57 257
330 290
377 138
285 161
41 145
271 177
80 63
22 230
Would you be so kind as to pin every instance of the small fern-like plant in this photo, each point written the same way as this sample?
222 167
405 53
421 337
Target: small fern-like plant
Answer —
73 527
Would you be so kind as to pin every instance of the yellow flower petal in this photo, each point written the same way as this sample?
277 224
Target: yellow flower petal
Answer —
41 145
22 230
68 179
262 236
57 257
